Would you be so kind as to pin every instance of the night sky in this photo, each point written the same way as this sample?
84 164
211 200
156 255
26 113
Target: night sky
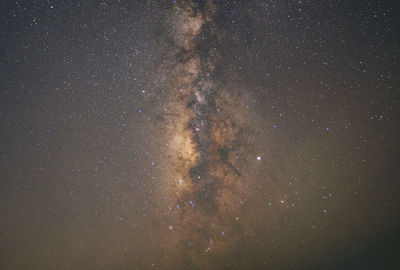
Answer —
200 134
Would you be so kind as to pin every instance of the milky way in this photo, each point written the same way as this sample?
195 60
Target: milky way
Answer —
208 177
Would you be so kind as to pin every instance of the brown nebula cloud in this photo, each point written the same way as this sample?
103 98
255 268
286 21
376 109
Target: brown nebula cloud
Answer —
208 173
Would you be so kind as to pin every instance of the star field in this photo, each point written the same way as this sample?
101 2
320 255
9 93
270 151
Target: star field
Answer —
199 134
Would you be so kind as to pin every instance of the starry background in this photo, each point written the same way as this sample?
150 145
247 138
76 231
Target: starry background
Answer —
82 153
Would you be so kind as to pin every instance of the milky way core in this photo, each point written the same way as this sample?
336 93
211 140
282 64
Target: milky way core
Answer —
208 179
